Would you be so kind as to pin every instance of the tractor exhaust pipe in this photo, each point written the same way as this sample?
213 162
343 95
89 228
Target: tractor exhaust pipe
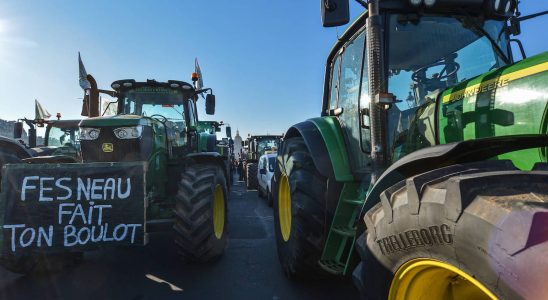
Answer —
377 86
90 104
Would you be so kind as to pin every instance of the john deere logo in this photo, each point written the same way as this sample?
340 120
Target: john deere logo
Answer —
108 147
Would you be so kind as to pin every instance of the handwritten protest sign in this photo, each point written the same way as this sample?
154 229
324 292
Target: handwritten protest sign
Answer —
54 207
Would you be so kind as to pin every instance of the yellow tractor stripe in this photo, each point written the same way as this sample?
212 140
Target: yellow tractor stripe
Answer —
494 83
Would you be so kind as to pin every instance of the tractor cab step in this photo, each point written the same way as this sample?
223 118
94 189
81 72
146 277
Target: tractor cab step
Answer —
339 245
332 267
350 232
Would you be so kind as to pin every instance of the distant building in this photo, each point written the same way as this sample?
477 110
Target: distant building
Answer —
6 130
237 144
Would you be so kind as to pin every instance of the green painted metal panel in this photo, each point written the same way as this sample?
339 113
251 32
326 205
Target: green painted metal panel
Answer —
507 101
331 132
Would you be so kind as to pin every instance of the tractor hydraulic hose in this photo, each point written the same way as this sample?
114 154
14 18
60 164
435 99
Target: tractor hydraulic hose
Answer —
376 86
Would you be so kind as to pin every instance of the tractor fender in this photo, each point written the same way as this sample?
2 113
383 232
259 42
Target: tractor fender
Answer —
323 138
12 146
439 156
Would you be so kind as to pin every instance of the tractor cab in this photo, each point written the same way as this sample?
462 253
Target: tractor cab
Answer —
153 119
263 144
403 67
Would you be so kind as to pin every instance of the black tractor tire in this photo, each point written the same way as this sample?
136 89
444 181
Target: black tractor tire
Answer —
487 219
300 254
195 236
251 176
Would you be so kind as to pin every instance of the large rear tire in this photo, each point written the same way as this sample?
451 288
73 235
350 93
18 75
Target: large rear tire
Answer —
473 231
200 213
299 199
251 176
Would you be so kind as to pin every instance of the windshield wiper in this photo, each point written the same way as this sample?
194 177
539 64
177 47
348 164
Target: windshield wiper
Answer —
480 29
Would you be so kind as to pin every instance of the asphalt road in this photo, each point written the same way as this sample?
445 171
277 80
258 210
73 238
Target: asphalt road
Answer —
249 268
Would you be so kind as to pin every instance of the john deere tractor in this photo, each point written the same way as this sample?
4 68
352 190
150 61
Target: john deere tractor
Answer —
224 146
155 131
426 176
257 146
61 138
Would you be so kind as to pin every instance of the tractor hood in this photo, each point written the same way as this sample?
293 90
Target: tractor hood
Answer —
118 120
505 102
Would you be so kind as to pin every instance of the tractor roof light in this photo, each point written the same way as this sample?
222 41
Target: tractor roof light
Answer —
127 84
429 2
115 86
415 2
174 85
195 77
503 8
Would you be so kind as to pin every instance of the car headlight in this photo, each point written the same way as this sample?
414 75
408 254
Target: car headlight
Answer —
125 133
89 134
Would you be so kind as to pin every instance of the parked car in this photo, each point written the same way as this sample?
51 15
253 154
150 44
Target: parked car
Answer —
265 171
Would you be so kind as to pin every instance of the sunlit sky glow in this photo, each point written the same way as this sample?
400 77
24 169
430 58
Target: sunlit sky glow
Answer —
264 59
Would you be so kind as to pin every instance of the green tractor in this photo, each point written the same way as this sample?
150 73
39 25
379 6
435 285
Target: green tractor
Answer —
257 145
426 176
61 138
225 146
184 187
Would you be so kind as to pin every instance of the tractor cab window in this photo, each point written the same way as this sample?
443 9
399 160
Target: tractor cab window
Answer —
334 84
427 55
162 104
349 86
60 137
193 119
66 139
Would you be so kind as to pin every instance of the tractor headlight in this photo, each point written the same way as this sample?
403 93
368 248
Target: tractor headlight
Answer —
125 133
89 133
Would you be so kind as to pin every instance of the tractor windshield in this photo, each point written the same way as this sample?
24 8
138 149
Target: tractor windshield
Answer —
150 101
267 145
426 56
63 137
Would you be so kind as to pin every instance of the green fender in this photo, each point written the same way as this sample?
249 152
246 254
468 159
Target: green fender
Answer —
324 139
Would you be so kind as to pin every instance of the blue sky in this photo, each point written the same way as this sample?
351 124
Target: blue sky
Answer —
264 59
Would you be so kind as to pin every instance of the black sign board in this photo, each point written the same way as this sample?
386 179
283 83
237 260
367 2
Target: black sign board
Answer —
57 207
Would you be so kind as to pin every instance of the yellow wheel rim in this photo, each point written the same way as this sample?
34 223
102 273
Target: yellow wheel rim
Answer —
432 279
284 207
218 211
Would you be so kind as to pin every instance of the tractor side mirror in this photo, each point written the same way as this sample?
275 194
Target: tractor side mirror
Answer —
243 144
18 130
334 12
228 132
262 171
210 104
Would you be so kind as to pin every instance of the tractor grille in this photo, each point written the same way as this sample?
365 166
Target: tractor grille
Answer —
122 150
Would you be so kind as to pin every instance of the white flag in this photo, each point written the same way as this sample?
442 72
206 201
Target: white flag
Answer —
200 83
84 83
40 113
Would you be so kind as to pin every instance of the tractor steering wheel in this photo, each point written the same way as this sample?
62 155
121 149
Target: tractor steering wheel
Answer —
160 118
441 75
